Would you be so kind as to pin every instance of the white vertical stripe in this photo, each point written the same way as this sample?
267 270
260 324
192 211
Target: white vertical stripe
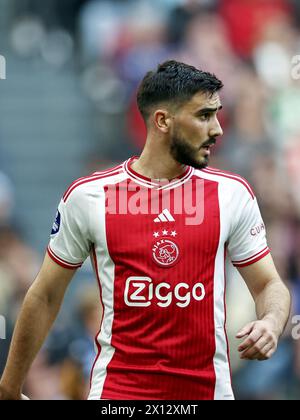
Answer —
168 215
162 218
106 273
223 389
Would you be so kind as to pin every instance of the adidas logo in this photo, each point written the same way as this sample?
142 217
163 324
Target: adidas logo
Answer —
165 216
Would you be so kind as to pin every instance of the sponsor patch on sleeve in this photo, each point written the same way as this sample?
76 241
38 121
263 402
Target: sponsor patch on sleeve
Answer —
56 224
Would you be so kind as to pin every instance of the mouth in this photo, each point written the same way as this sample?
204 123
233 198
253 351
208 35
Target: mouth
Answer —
208 145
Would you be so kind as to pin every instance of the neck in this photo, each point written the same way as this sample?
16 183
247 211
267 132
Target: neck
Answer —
156 161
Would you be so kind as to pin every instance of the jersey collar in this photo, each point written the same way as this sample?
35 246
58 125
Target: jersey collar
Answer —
157 184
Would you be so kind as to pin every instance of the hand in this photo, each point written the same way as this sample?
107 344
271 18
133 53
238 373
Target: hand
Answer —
8 396
261 342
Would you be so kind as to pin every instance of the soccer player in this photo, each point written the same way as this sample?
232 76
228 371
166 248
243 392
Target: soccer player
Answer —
159 229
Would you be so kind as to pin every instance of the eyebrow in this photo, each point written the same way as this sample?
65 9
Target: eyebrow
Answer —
208 110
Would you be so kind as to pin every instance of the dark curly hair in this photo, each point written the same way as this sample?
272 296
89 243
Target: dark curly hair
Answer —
174 83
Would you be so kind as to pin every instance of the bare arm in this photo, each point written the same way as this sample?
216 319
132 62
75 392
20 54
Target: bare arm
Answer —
273 304
39 311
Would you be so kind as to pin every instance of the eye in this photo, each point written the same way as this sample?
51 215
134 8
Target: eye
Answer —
205 117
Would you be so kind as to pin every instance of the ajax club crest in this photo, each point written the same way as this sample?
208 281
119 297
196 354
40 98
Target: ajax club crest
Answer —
165 253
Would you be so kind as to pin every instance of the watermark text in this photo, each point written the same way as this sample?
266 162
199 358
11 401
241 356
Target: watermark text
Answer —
2 328
2 68
130 198
296 328
296 67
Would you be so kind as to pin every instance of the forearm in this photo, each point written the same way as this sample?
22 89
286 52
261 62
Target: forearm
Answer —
35 320
273 303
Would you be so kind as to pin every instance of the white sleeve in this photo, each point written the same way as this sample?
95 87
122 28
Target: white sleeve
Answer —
247 242
70 239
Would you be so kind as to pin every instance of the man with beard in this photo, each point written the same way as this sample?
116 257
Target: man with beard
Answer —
161 277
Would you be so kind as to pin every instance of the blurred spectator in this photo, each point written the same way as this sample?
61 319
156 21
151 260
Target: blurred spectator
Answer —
18 268
71 348
52 12
181 16
244 31
43 381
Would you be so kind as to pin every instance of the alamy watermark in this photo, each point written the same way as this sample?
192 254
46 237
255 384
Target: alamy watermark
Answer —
2 67
296 328
296 67
130 198
2 328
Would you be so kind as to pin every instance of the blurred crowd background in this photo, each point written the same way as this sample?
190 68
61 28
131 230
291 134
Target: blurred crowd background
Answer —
67 108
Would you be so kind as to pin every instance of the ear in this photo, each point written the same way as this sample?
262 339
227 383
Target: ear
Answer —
162 120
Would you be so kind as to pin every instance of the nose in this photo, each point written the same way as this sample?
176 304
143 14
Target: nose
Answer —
215 129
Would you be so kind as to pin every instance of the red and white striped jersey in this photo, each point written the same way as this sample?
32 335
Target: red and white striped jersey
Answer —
159 252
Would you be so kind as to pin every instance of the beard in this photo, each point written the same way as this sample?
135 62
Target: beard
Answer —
184 153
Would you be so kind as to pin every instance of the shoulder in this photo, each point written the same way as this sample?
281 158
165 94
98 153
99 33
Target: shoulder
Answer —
82 186
229 180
